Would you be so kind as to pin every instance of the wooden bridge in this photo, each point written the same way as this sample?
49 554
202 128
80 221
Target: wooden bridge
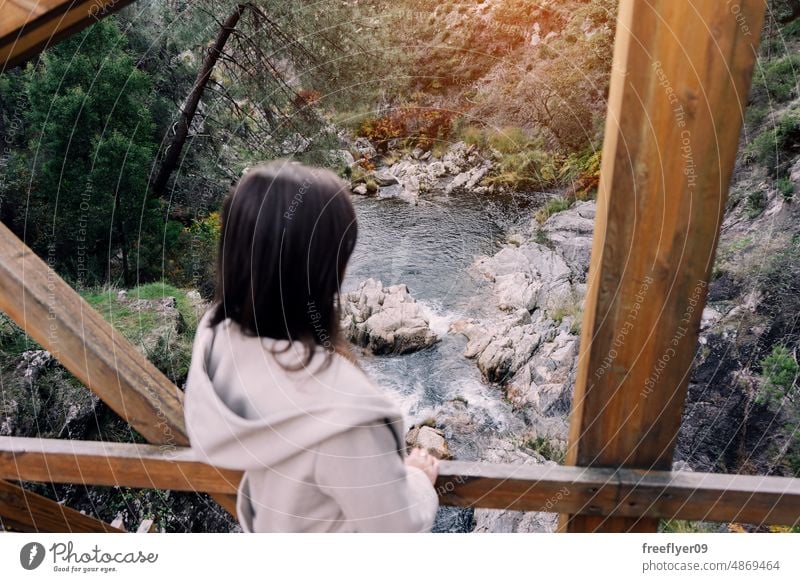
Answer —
679 86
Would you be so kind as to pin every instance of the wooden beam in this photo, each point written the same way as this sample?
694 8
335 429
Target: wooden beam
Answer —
679 87
609 494
53 314
22 510
30 26
111 464
59 319
590 491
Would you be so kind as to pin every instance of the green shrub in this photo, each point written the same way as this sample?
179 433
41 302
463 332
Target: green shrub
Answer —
191 260
529 168
755 114
547 448
682 526
777 147
473 135
756 202
553 206
786 188
777 80
508 140
779 376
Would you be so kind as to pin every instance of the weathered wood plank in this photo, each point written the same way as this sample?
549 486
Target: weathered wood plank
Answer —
25 511
753 499
598 492
678 90
28 27
53 314
111 464
607 494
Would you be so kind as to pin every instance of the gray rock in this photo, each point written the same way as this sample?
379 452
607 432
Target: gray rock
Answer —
528 276
507 521
571 233
466 181
794 173
347 158
295 144
361 190
365 148
385 178
459 158
399 192
385 320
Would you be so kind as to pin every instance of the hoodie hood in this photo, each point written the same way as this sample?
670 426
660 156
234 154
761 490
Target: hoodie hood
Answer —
245 411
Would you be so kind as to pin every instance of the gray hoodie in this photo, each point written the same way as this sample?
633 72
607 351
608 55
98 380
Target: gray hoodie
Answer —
321 448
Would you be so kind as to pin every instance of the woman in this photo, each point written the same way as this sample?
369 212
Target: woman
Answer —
272 389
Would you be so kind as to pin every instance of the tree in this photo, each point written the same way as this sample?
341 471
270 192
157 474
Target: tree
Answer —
189 108
90 149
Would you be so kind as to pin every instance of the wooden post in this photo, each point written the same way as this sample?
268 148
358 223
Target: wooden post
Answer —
679 87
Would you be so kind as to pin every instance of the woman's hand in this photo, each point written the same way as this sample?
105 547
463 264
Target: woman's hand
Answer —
422 459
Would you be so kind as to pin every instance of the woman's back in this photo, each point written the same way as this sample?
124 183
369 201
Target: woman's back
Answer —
321 447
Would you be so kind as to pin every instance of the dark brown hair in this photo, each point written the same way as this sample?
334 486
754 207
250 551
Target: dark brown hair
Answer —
287 233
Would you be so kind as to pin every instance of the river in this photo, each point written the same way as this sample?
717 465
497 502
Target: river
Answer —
430 247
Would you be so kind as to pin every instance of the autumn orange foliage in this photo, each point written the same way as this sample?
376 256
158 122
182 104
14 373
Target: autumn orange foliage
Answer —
416 125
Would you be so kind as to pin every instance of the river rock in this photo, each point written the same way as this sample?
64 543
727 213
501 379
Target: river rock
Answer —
545 379
361 190
466 181
430 439
502 346
385 320
384 177
460 157
347 158
399 192
527 277
571 232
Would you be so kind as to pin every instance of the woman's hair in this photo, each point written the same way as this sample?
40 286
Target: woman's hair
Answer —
287 233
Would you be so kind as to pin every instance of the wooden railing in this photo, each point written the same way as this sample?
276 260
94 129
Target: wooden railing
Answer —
574 490
653 225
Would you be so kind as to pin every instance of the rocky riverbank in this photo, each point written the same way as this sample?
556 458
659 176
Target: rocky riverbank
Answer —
407 176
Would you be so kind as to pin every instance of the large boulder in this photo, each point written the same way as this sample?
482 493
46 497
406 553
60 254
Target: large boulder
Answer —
385 320
529 276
